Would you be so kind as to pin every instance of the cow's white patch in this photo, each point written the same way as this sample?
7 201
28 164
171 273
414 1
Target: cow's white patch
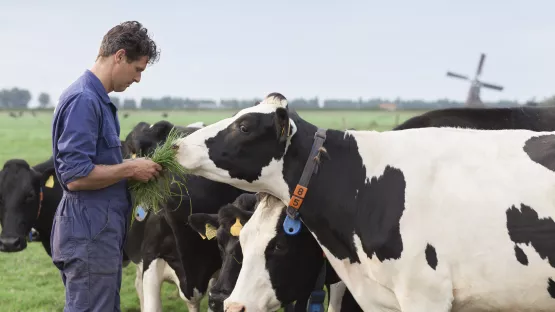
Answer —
336 293
157 272
253 289
198 124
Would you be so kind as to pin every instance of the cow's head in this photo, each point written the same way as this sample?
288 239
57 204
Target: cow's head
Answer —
20 199
245 150
144 138
228 222
277 268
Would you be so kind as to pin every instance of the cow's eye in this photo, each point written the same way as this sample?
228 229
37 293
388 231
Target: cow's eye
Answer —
243 129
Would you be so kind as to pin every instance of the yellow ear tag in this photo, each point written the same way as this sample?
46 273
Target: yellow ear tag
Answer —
210 231
236 228
50 182
133 156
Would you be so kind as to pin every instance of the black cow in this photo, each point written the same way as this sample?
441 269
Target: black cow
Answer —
302 260
21 206
524 117
28 199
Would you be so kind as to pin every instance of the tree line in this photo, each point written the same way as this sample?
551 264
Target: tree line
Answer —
17 98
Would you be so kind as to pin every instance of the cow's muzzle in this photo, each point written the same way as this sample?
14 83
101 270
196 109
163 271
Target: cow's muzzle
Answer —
12 244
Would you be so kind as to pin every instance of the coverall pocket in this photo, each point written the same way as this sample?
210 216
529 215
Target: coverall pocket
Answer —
63 242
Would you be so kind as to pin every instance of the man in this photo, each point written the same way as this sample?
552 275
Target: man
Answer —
91 220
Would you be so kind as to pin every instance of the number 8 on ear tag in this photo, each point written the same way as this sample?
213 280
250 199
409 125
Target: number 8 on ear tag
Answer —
291 226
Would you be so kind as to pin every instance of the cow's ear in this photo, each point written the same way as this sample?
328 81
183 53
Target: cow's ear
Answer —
205 224
48 178
283 124
161 129
234 218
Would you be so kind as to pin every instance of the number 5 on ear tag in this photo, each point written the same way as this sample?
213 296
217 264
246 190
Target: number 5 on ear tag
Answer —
291 226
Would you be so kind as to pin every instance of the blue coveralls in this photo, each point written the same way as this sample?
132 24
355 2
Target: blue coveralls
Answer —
89 226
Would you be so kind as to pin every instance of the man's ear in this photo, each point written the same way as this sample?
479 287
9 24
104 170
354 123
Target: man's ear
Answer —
283 125
205 224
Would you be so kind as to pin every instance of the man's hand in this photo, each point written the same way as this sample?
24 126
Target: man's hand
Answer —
145 169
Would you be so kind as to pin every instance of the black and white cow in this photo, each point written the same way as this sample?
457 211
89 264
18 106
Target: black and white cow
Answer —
430 219
174 253
299 263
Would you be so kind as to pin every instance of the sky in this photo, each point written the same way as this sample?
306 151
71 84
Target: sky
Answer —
304 48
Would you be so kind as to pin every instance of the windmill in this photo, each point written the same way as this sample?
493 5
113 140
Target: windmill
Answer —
473 99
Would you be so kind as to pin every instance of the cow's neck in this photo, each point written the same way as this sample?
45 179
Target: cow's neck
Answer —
334 194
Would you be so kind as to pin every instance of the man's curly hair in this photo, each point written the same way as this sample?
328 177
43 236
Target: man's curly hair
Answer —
133 38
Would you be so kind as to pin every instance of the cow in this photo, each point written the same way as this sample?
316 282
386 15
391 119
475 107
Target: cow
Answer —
486 118
301 262
29 197
425 219
158 244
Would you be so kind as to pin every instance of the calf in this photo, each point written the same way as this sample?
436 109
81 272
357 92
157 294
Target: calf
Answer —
388 208
301 260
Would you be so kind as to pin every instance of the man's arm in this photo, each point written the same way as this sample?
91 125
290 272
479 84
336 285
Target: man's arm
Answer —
77 145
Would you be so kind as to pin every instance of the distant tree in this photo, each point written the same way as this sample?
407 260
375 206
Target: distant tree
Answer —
115 101
44 100
129 104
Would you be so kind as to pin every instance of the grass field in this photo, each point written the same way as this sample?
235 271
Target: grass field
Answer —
28 279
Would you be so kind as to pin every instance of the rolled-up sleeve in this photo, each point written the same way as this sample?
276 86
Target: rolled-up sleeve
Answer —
77 138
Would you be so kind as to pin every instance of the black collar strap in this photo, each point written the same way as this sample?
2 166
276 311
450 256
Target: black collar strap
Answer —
310 167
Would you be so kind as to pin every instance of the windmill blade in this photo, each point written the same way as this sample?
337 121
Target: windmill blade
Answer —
480 65
491 86
451 74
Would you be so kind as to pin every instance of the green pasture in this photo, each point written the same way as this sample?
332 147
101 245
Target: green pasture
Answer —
28 279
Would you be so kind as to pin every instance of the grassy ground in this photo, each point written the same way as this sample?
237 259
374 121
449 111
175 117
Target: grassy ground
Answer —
28 279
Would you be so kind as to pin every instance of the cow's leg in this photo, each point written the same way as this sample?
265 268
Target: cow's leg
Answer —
152 282
139 284
335 296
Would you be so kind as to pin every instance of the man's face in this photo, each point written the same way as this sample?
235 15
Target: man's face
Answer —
125 73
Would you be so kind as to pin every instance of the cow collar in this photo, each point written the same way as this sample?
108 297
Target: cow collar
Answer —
41 197
292 224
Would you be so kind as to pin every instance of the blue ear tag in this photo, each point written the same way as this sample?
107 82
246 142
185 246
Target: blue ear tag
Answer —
291 226
140 214
30 236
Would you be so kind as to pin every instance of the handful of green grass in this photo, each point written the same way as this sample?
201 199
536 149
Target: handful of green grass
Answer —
149 195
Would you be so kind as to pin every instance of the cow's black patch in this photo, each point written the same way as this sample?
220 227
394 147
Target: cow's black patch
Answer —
521 256
431 256
551 287
541 149
246 146
525 227
294 261
341 200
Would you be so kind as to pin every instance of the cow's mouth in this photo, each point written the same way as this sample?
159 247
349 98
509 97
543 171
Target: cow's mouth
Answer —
12 243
